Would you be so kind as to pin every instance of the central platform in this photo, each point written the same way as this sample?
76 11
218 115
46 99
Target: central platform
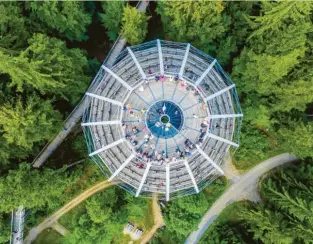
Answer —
164 119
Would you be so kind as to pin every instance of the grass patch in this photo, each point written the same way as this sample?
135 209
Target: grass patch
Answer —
231 213
70 219
48 236
229 216
148 221
245 165
215 190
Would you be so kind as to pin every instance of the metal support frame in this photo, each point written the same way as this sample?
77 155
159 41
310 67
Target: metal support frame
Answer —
223 116
104 99
106 147
204 74
160 57
143 179
113 122
191 176
181 72
223 140
143 75
130 158
219 92
119 79
167 168
209 159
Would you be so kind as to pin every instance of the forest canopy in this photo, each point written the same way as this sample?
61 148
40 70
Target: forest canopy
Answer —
49 53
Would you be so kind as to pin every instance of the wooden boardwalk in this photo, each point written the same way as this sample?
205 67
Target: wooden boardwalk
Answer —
78 111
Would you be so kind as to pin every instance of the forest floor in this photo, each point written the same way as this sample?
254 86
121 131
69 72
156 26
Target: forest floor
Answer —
243 188
48 222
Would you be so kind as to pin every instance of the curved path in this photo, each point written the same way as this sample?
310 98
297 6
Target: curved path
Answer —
48 222
243 187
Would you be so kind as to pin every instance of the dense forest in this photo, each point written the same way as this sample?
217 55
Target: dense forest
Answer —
49 53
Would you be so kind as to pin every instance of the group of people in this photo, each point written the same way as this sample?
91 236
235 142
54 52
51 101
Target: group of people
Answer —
132 113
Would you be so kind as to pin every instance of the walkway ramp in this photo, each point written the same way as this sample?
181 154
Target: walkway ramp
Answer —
17 226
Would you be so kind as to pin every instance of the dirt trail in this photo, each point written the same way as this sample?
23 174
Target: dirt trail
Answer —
48 222
158 221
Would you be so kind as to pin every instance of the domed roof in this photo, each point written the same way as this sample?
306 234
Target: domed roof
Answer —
162 119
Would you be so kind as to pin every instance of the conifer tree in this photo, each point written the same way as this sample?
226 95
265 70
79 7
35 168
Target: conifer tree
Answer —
134 25
67 18
24 125
112 17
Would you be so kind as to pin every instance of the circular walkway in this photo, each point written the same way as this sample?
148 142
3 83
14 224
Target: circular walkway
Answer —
162 119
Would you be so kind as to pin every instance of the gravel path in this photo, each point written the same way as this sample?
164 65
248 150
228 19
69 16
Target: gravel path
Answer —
244 187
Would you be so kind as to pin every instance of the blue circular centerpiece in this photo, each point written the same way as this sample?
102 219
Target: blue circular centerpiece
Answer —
164 119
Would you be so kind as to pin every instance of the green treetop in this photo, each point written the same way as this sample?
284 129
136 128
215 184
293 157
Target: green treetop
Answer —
49 66
297 138
68 18
24 125
135 25
112 17
43 190
13 32
4 229
199 22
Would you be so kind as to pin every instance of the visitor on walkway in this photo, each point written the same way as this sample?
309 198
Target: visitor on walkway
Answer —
131 113
141 89
139 118
150 71
164 108
124 126
195 116
183 83
160 111
158 124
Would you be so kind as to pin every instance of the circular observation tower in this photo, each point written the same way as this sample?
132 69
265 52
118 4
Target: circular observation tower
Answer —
161 119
